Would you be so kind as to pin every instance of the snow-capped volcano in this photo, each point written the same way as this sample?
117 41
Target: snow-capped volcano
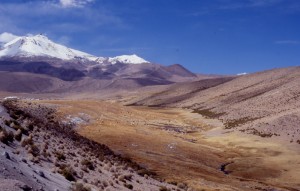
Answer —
41 46
38 55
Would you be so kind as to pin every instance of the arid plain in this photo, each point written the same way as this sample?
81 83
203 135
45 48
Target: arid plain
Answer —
180 145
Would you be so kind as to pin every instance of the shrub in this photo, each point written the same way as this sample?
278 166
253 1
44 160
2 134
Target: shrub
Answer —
30 127
26 141
10 136
129 186
79 187
15 125
34 150
24 131
68 173
14 116
18 135
7 122
163 188
6 137
3 138
88 164
60 156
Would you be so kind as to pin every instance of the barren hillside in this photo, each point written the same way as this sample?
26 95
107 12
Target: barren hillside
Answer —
265 103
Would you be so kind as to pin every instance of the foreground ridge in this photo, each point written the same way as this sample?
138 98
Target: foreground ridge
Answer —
50 149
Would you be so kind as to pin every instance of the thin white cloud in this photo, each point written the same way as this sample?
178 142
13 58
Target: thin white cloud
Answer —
230 5
233 5
16 17
287 42
263 3
74 3
129 49
7 37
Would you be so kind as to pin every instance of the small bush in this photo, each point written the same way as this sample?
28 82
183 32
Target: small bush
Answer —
15 125
26 141
18 135
30 127
7 122
3 138
88 164
24 131
6 137
68 173
60 156
163 188
34 150
10 136
14 116
79 187
129 186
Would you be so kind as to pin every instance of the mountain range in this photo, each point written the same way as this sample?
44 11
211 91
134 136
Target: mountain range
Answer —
39 55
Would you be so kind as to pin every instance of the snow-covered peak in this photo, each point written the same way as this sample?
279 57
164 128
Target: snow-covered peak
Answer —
40 45
127 59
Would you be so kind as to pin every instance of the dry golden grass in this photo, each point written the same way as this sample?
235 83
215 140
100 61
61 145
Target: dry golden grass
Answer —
173 143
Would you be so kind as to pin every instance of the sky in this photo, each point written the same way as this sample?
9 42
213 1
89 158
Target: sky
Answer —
205 36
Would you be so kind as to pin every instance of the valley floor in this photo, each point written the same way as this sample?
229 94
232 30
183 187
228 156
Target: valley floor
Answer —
185 147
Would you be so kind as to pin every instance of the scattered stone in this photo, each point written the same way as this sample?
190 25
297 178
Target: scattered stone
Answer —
26 188
41 173
24 160
6 155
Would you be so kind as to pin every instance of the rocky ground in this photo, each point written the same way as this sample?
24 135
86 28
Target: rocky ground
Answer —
38 152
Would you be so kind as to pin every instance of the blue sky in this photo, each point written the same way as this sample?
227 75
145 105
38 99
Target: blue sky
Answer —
205 36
